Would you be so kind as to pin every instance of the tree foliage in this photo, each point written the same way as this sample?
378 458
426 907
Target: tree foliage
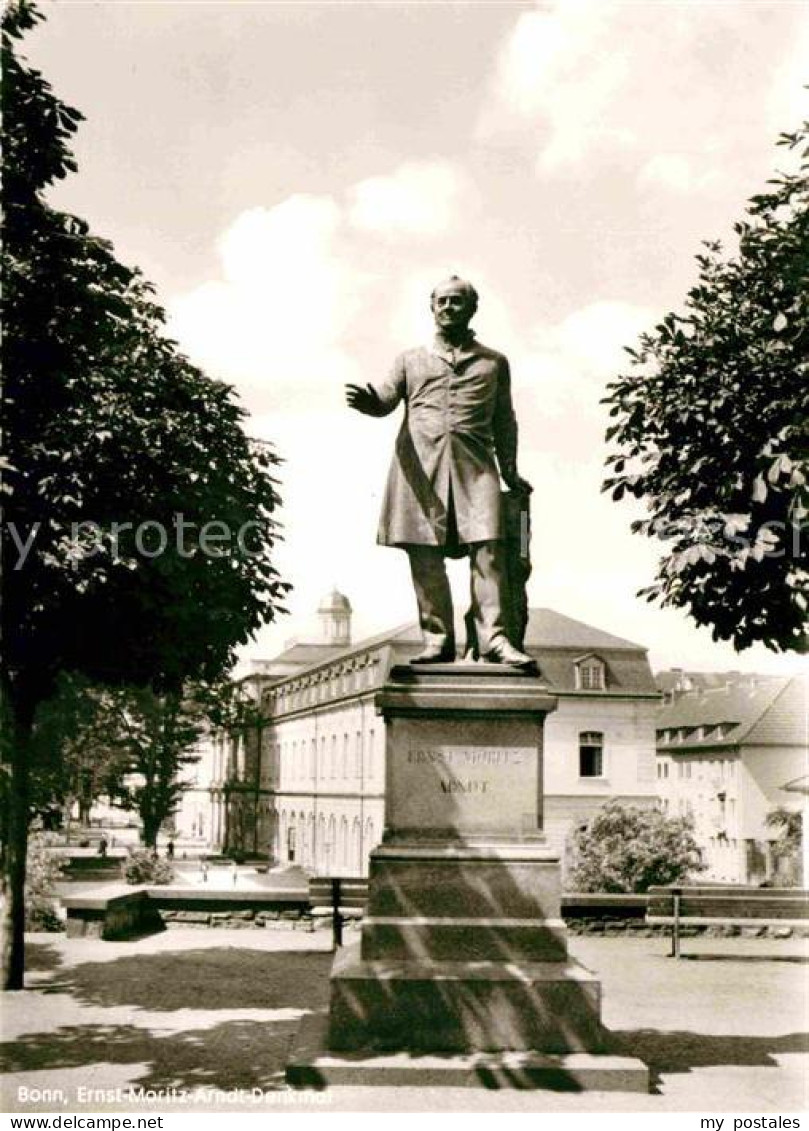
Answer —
711 431
43 874
157 734
789 825
145 867
75 758
112 440
626 849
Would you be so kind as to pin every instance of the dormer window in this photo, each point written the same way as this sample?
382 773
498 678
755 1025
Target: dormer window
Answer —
590 673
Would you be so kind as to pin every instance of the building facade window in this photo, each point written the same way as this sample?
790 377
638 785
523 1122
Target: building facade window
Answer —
590 674
591 754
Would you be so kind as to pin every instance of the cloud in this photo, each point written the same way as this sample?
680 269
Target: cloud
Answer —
675 92
418 198
277 321
560 370
551 68
677 173
788 97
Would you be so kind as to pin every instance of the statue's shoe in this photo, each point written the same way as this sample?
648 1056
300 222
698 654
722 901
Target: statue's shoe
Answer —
436 654
504 653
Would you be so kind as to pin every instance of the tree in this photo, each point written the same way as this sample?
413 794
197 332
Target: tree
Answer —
625 849
140 525
76 757
158 733
789 825
711 428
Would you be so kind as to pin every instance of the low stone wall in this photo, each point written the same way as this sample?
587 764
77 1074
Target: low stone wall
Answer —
87 867
276 919
117 913
124 911
276 909
605 913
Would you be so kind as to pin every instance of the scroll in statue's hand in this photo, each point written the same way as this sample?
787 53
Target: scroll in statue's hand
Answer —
518 485
364 400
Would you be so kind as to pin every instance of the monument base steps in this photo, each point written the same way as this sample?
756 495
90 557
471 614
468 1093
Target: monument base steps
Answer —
463 1006
313 1065
462 977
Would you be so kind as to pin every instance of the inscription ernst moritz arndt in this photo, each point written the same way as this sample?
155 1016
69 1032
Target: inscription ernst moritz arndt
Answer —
464 770
469 786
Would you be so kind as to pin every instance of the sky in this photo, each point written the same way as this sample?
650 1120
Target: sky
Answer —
295 177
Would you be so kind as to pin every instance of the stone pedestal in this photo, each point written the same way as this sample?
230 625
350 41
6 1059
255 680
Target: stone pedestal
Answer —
462 964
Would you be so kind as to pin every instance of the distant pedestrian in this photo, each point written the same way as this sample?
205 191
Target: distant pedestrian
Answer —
204 870
103 845
235 872
170 850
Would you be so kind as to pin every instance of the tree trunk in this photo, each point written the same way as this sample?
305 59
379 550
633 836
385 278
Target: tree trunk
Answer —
150 824
12 952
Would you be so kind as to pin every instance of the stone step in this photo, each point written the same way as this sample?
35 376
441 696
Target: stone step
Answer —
463 1006
469 939
313 1065
464 884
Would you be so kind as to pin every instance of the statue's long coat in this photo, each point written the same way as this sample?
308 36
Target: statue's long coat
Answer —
459 425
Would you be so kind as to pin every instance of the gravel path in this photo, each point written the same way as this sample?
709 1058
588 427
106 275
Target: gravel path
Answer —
205 1019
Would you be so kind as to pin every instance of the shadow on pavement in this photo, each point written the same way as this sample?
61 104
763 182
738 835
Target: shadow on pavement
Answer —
799 958
41 957
682 1051
226 978
234 1054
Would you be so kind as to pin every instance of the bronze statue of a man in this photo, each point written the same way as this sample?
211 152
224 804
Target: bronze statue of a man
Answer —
443 496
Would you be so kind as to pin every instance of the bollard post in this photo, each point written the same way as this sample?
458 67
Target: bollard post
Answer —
675 927
337 919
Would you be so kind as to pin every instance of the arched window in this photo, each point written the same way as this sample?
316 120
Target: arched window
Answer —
292 838
345 757
358 755
356 846
320 843
343 852
369 840
331 846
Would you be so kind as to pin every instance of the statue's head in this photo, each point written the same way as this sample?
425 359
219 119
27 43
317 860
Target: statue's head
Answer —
453 303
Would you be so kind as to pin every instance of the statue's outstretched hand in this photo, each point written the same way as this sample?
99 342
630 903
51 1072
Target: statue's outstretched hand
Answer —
364 400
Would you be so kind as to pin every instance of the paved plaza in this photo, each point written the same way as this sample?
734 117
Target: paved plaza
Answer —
205 1019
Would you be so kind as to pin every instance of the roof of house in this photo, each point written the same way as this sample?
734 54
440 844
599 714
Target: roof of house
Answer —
549 629
755 710
297 656
557 641
676 680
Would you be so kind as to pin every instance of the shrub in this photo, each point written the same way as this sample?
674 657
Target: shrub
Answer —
625 849
43 871
143 867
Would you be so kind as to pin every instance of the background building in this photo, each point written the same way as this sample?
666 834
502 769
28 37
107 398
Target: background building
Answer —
727 745
308 784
